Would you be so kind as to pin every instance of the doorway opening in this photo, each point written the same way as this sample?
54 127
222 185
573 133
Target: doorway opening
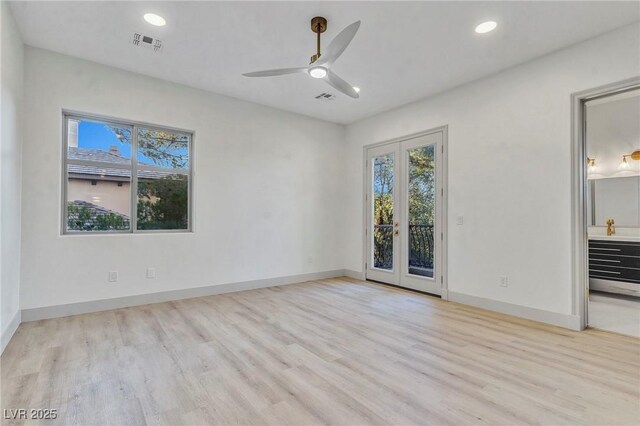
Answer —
609 219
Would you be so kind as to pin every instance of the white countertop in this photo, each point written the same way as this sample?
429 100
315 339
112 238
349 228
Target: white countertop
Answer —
615 237
622 233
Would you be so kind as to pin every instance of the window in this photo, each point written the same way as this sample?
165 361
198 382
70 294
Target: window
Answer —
125 177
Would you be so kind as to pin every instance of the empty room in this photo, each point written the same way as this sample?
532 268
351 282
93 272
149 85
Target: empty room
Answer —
320 213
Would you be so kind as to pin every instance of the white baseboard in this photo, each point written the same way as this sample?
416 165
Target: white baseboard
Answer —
9 330
56 311
571 322
354 274
561 320
33 314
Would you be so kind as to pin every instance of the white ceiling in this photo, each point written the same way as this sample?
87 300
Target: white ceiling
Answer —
403 52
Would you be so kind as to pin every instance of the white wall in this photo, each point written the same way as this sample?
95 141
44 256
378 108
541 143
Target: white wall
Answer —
267 194
11 58
509 170
277 194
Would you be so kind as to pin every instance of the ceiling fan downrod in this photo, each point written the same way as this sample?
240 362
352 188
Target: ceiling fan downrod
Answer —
318 26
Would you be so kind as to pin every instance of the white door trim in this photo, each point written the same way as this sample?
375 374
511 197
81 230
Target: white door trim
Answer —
445 199
580 271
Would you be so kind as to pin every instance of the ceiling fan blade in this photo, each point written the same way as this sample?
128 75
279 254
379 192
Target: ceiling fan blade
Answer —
338 44
341 85
272 73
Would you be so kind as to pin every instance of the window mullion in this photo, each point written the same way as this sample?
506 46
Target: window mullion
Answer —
176 171
134 180
98 165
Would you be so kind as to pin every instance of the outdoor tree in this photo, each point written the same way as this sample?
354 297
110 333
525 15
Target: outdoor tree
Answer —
86 218
421 186
383 190
158 148
162 203
421 204
383 180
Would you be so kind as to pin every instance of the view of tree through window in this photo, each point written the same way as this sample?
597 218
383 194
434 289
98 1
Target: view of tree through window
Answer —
162 202
421 203
383 177
101 176
421 189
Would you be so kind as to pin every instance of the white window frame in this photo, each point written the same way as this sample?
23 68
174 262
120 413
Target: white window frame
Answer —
133 167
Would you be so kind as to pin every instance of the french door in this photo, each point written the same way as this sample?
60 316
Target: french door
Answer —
404 204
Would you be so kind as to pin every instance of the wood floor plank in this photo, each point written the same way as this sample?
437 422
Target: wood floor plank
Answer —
334 351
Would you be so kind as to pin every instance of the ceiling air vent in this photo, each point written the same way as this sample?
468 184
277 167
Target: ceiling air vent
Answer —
147 42
326 97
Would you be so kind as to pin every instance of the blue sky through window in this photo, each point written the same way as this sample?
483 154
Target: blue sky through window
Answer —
93 135
99 136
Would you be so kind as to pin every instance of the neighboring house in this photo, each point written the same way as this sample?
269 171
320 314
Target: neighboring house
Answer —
104 187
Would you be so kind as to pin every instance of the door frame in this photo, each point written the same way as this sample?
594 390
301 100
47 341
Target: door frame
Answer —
579 227
444 294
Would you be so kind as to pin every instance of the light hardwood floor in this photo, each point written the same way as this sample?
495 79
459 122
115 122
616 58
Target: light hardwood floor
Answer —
336 351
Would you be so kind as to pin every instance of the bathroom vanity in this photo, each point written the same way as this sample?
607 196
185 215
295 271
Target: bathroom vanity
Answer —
614 264
614 235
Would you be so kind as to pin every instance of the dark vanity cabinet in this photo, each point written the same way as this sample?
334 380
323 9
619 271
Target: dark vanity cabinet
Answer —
614 266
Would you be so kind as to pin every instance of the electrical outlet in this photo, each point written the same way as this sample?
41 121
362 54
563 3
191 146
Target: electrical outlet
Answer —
151 272
113 276
460 220
504 281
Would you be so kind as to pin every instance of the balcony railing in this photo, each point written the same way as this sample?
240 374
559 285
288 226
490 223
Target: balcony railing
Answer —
383 246
420 248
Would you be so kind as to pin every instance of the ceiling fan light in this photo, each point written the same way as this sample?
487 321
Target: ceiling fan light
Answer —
318 72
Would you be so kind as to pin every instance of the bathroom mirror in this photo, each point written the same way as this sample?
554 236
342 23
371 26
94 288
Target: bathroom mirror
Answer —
613 159
614 198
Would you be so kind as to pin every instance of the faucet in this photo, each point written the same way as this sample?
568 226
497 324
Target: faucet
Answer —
610 228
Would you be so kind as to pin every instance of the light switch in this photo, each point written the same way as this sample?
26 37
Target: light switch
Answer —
459 220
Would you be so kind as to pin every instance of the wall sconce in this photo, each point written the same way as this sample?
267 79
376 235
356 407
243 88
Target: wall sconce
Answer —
591 163
635 155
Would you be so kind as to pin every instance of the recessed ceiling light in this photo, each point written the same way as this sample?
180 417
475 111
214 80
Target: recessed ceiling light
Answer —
357 89
486 27
154 19
318 72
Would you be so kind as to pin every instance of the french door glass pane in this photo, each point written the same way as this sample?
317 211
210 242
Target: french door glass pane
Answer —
383 180
421 215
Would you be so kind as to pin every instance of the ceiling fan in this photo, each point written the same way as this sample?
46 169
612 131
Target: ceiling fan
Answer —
320 65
